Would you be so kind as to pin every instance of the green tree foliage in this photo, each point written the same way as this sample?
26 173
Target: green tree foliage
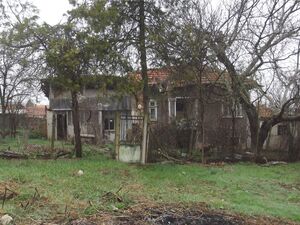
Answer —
129 24
84 46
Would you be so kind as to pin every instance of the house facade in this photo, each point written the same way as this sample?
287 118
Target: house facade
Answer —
283 141
185 105
97 110
173 105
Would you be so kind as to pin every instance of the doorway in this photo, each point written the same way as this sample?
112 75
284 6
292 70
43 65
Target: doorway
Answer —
61 126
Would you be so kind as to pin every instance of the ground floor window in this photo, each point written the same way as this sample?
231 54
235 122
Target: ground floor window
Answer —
109 124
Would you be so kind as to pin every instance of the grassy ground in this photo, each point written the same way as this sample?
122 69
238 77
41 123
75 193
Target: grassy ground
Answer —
243 188
16 144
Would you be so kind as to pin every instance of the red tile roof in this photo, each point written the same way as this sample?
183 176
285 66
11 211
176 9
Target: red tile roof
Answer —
156 76
183 77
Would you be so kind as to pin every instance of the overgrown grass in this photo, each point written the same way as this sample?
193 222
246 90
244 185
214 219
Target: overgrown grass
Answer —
17 144
243 188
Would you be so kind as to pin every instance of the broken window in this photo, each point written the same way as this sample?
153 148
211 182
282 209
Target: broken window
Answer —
178 107
181 108
153 110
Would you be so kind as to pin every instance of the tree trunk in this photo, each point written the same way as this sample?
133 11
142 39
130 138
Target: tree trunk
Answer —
201 115
254 126
76 124
263 134
3 126
264 131
143 61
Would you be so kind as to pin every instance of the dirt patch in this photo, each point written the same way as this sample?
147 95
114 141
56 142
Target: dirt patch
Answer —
166 215
182 215
290 187
45 152
37 152
8 190
81 222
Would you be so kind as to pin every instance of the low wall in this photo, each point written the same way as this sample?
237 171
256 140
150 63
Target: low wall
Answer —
130 153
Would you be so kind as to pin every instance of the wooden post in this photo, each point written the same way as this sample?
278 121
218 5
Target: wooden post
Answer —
53 131
145 137
117 135
100 127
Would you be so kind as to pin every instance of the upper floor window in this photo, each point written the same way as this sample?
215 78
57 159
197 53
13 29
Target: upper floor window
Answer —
153 110
282 129
232 110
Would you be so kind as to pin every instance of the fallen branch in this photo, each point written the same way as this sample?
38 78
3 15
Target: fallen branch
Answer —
274 163
63 154
108 196
12 155
159 150
169 157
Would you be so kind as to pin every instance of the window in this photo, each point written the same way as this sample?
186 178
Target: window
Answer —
232 110
282 130
178 107
109 124
152 110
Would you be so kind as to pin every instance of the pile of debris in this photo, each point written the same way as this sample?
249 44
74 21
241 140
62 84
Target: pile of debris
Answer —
194 215
175 215
37 152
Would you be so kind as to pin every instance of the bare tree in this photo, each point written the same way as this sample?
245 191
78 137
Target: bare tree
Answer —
18 65
246 39
182 47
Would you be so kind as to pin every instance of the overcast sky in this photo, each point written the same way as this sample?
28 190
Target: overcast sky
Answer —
51 11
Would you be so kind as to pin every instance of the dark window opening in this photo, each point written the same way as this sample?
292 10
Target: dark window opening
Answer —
180 106
109 124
